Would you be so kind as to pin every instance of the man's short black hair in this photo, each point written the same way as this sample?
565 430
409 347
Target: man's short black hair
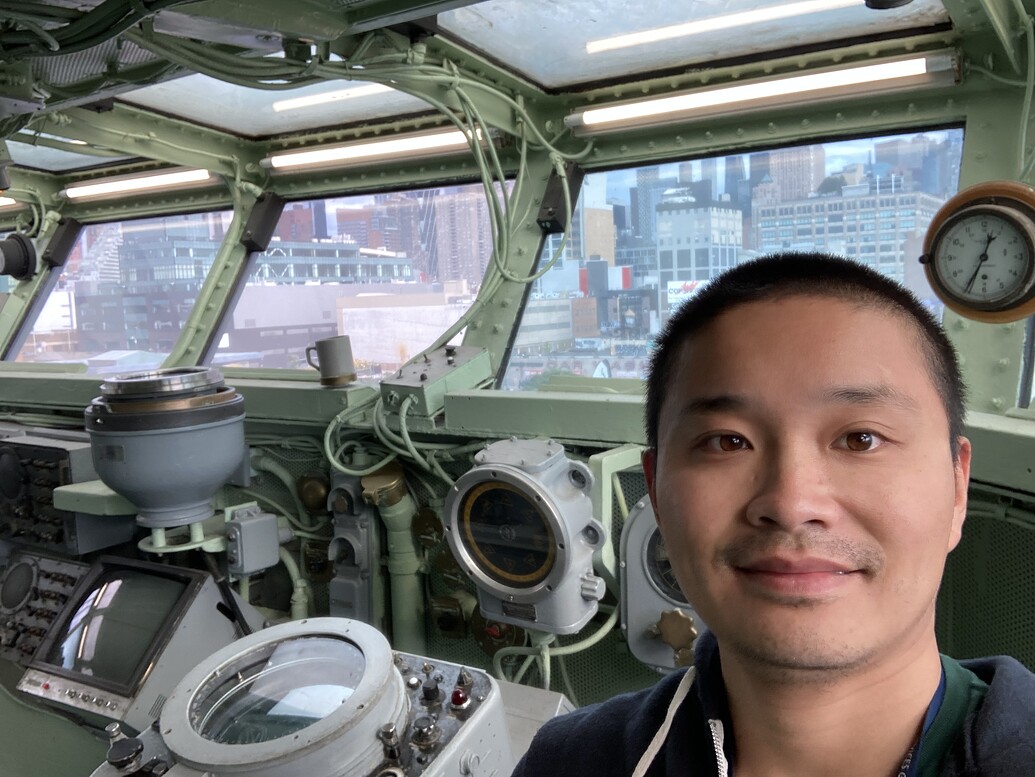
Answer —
813 275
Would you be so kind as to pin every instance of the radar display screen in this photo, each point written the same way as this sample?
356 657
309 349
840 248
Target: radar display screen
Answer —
113 629
508 535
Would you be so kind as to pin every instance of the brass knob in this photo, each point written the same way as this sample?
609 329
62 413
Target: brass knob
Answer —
677 629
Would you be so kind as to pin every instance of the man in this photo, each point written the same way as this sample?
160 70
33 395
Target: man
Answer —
808 472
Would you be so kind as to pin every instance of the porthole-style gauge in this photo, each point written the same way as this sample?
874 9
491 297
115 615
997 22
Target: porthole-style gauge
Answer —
660 625
508 534
520 524
658 566
979 252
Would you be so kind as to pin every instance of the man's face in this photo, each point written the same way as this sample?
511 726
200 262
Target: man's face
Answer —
804 482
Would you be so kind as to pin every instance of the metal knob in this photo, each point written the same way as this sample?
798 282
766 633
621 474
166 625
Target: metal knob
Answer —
124 754
390 741
425 732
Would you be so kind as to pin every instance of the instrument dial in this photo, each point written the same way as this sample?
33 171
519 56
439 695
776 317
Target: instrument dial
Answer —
659 569
980 252
508 536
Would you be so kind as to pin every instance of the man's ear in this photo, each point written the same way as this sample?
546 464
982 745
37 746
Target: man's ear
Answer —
961 476
649 460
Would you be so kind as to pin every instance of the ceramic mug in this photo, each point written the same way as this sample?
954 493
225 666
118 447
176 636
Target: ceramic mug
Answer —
333 360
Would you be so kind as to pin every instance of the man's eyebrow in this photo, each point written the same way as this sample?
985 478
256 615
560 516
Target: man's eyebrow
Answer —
873 394
719 403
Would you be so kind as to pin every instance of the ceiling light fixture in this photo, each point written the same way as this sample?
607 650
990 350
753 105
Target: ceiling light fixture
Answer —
296 103
716 23
425 144
137 183
927 70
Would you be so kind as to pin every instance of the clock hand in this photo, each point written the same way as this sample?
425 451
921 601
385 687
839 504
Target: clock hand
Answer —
981 260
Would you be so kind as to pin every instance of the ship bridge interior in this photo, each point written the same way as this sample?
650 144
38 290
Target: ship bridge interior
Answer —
342 310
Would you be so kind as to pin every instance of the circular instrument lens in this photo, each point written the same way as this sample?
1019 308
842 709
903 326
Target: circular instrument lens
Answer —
276 690
16 586
507 534
659 569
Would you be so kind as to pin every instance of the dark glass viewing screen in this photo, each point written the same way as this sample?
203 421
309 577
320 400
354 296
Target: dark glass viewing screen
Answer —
114 625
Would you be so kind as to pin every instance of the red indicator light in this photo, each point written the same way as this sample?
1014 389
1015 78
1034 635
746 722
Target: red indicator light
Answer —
46 686
458 698
494 631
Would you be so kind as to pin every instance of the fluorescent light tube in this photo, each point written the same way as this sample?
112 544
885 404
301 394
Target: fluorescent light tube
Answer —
703 102
411 145
136 184
296 103
716 23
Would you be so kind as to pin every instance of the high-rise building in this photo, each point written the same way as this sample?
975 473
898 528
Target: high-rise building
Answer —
874 229
797 171
648 195
354 224
759 166
462 236
695 241
732 177
298 222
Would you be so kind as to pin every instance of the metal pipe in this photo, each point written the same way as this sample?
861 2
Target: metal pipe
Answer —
386 490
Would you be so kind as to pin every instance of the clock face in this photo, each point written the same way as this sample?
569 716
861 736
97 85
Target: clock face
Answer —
983 258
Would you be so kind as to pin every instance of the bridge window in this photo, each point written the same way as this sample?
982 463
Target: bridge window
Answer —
391 270
125 293
621 293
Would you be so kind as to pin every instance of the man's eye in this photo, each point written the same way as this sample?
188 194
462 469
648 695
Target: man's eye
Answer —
861 441
726 443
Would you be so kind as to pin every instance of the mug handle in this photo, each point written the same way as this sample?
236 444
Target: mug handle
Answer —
316 364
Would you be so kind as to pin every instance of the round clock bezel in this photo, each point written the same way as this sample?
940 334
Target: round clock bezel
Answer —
1008 200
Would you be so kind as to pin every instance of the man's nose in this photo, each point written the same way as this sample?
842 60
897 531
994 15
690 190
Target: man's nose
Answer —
792 488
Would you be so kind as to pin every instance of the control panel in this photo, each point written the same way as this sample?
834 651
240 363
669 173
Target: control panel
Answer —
443 697
322 697
84 697
31 467
427 379
33 591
